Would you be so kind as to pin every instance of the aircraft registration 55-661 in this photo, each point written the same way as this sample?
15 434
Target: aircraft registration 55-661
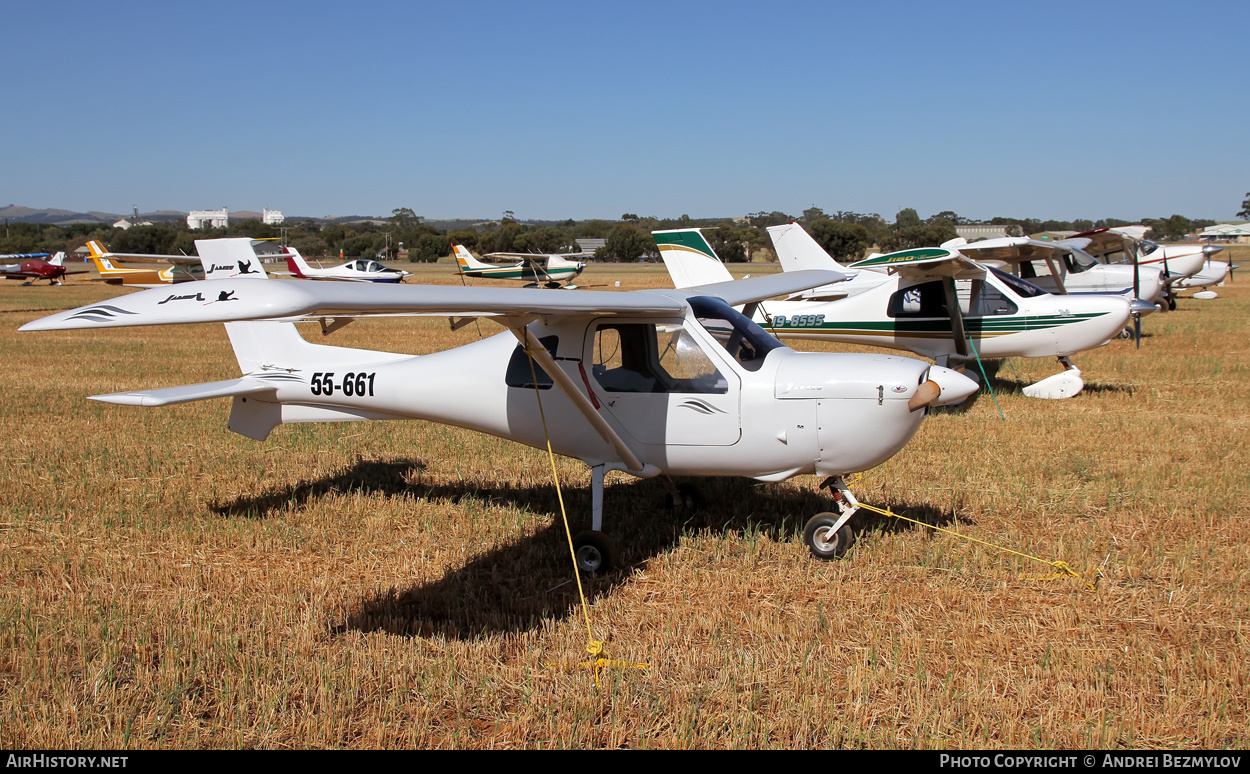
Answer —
650 382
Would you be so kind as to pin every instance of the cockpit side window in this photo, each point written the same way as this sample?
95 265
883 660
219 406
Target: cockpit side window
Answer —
927 299
644 357
1017 285
520 374
744 340
1079 261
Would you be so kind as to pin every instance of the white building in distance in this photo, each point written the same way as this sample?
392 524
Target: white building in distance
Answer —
271 217
215 218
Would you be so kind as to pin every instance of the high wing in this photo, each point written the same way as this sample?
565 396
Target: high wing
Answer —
236 300
933 263
533 262
925 262
754 289
177 260
1106 241
1017 250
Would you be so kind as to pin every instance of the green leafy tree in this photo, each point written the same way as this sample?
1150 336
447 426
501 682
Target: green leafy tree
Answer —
906 218
812 214
763 219
428 248
464 236
843 241
1244 214
626 242
728 243
404 219
921 235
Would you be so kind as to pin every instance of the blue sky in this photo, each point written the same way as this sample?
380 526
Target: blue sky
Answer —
580 109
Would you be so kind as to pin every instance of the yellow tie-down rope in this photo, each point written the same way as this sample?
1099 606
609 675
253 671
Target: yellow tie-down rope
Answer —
594 647
1063 570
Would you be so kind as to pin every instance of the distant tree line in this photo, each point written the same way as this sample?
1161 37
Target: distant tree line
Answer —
846 235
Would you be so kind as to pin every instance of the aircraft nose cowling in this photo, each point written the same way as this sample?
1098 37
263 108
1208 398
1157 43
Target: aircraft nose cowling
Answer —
954 386
1087 322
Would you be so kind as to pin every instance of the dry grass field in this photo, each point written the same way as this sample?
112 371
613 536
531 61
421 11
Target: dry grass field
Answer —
170 584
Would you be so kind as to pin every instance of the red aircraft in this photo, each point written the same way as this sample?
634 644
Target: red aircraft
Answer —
35 268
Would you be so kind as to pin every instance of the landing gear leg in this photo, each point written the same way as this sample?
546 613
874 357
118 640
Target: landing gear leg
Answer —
684 496
827 535
594 552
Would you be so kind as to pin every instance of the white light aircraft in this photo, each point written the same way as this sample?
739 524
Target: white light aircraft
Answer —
547 270
936 303
360 270
1127 245
1064 267
1212 273
650 382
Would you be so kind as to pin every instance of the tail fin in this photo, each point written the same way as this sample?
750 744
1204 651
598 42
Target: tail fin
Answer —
104 266
689 258
96 248
58 259
272 354
466 261
797 250
296 263
229 258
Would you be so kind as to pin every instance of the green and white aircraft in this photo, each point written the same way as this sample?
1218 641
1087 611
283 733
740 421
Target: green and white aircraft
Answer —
545 270
932 301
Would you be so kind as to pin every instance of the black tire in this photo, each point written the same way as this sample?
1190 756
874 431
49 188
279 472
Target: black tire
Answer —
822 541
594 552
1171 303
689 498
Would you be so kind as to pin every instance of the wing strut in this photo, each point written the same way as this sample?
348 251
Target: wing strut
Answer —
957 316
1054 272
566 385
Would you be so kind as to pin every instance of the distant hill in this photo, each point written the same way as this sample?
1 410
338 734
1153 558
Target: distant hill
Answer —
18 214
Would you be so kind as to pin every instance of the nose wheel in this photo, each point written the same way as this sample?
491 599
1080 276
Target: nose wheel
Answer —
825 538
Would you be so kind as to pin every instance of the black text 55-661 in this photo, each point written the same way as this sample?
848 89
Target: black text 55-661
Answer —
361 384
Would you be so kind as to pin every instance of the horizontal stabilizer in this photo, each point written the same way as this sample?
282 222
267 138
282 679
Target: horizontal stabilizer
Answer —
191 392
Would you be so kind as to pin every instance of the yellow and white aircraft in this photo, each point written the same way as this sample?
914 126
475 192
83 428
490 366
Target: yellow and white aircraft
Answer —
651 382
186 268
176 268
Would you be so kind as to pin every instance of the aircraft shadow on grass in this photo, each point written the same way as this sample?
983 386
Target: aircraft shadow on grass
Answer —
1005 381
518 583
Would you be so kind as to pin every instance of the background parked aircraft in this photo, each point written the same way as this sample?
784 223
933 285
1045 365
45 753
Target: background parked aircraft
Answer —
162 269
548 270
360 270
33 267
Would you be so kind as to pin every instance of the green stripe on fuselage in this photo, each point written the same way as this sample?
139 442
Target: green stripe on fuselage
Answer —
935 326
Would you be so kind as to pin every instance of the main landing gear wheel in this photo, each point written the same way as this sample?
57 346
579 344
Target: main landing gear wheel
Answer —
821 539
595 552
